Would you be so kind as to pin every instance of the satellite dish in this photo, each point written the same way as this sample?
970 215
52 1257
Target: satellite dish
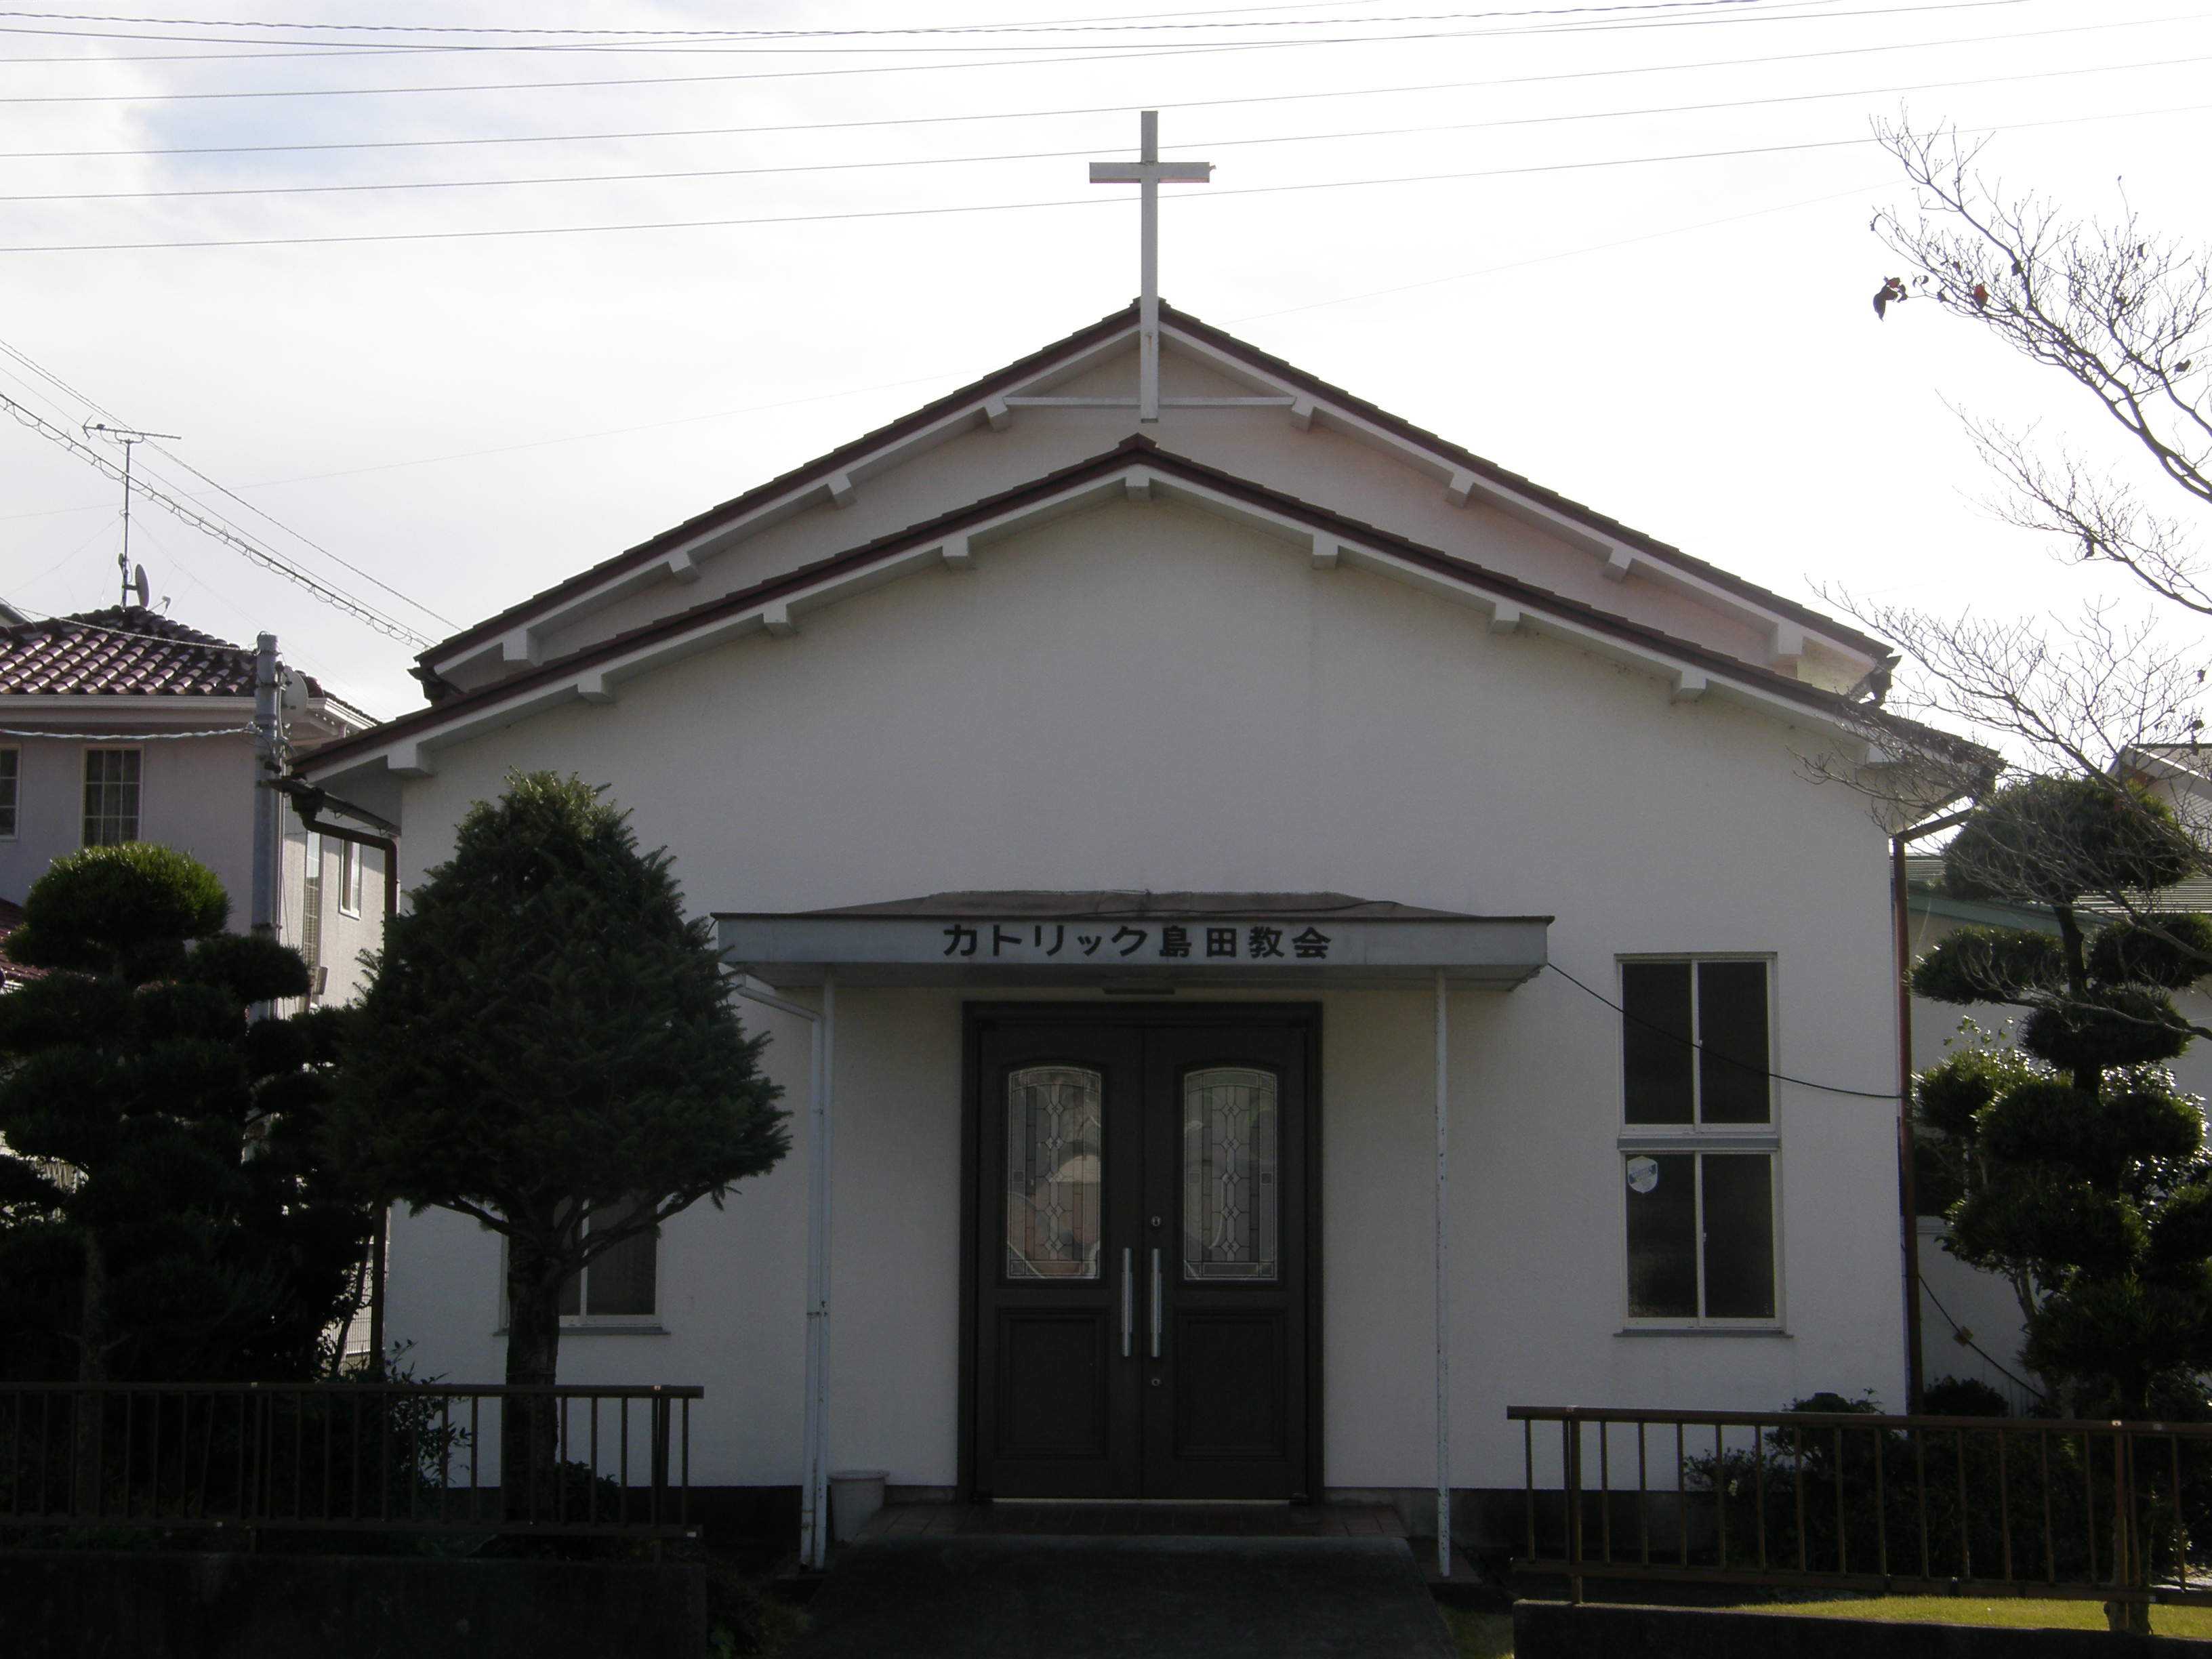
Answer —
138 585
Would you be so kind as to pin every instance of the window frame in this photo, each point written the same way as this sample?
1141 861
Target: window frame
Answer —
350 863
138 784
13 807
1699 1140
643 1324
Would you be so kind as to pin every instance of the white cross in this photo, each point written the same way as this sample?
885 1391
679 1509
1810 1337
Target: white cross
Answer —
1151 173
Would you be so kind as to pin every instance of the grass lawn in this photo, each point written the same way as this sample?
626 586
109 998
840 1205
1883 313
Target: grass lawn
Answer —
1490 1635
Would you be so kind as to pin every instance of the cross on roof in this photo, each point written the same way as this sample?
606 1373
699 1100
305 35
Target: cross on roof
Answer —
1150 172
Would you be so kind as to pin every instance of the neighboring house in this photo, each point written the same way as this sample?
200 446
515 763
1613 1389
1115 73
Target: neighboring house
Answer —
121 724
1178 829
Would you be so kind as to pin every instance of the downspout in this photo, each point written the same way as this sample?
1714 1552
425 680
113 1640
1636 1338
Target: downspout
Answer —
1444 1293
814 1491
1908 1181
307 802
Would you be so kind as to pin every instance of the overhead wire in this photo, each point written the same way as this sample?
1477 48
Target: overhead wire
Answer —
693 43
484 232
1158 20
24 360
230 535
1063 112
1152 54
1889 1095
1062 154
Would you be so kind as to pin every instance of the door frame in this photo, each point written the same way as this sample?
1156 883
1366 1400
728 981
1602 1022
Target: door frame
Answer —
1303 1017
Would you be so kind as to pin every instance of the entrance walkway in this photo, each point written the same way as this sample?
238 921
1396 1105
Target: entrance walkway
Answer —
991 1594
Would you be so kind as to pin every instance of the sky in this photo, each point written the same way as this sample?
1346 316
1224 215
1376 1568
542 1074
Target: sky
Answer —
462 302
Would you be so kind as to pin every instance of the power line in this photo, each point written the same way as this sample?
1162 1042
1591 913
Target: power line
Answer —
894 68
1071 25
1009 207
1729 1060
233 539
1061 155
1062 113
56 380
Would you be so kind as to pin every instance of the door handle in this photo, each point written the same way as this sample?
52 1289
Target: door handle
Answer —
1155 1304
1128 1301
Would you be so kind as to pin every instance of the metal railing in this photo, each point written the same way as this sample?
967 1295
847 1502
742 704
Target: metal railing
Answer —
1972 1506
390 1457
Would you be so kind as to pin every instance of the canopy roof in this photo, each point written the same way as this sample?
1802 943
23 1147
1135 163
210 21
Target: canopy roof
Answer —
1135 942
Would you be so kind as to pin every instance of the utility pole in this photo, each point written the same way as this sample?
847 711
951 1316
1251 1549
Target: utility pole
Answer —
127 437
265 802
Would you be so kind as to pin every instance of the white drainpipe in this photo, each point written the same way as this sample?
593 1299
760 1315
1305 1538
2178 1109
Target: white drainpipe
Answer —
1443 1296
814 1495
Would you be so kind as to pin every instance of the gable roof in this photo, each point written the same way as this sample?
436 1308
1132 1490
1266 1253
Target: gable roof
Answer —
121 651
984 398
1137 463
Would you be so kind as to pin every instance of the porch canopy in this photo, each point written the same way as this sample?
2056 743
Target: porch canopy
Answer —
1135 942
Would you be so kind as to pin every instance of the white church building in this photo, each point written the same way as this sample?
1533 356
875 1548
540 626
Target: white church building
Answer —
1280 937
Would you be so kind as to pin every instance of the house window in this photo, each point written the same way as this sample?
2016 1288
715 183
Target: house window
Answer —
111 796
11 768
349 877
311 904
621 1284
1699 1147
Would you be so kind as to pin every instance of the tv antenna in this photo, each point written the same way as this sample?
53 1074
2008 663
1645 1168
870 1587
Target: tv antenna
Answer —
127 436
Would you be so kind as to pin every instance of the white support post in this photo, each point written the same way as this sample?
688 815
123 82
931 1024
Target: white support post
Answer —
1444 1290
818 1280
814 1489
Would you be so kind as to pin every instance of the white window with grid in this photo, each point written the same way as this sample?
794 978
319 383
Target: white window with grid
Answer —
1700 1149
111 796
349 877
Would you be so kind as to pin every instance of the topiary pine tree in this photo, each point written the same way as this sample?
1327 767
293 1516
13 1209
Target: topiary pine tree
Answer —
544 1035
159 1150
2084 1177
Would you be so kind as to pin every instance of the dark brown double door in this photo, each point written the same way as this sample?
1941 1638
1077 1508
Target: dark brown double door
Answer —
1141 1299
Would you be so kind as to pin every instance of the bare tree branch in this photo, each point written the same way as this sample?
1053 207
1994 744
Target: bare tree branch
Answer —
2124 313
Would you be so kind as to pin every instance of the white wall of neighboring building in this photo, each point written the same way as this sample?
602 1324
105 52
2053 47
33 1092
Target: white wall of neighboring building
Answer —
1138 697
194 794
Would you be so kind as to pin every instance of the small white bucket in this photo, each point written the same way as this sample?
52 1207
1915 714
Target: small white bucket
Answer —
854 1497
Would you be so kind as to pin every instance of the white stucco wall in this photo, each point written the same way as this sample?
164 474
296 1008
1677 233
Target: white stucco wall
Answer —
1141 697
194 794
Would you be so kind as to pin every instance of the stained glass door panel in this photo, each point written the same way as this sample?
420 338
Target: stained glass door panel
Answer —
1056 1146
1229 1173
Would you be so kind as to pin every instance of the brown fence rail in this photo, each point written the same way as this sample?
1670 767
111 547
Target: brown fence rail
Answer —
349 1457
1974 1505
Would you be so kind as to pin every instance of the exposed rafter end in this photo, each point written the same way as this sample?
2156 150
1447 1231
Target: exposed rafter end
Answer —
1786 645
411 759
1504 617
840 486
682 567
521 648
1140 485
1459 489
957 554
996 413
1301 413
1618 564
1690 685
1327 551
776 618
593 687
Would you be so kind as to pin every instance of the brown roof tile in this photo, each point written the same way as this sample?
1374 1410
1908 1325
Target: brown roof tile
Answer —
117 652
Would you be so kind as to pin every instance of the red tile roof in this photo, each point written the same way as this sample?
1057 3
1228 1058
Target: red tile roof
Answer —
120 651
